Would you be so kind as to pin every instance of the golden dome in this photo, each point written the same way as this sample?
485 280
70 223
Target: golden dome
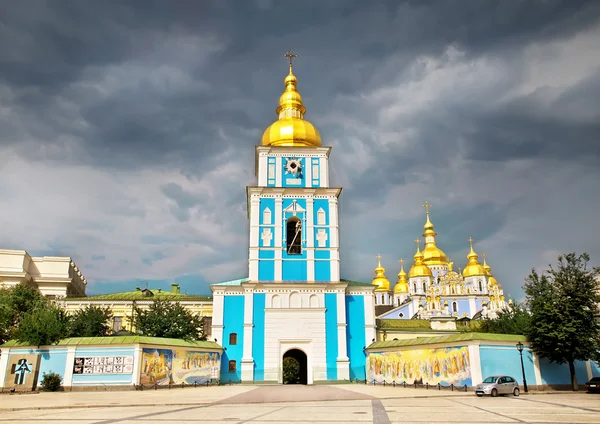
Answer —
401 285
432 255
419 269
473 267
488 271
291 129
380 281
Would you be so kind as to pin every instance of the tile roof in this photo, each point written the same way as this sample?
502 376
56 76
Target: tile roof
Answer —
120 340
452 338
141 295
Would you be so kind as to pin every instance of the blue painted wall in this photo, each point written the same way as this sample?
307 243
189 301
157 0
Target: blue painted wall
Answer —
553 373
505 360
396 314
289 180
331 335
595 369
322 270
258 336
294 269
266 269
355 335
53 361
233 322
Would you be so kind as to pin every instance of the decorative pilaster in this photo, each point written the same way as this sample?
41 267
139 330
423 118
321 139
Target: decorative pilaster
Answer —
247 359
278 243
343 362
68 377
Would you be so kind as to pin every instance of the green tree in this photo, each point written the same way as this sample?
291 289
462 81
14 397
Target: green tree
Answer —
564 307
513 320
168 319
91 321
291 371
43 326
15 302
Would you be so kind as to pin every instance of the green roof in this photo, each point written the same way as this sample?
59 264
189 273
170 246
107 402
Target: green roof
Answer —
451 338
404 324
140 295
120 340
237 282
355 283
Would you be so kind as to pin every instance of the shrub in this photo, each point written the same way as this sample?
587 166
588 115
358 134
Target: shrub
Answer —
51 381
291 371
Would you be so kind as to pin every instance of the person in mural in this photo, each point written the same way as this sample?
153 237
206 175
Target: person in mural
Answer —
432 366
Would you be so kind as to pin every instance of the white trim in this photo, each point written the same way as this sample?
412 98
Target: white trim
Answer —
278 238
70 362
137 363
370 333
307 172
324 172
217 318
279 171
475 361
342 360
305 345
4 356
262 170
536 369
588 368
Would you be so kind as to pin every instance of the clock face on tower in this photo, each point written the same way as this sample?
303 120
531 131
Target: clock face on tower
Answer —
293 166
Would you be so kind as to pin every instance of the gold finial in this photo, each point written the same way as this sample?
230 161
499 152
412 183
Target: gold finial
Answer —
427 206
401 263
418 243
471 242
379 260
483 255
290 55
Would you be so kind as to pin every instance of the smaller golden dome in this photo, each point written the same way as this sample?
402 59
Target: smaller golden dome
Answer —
380 281
419 269
432 255
401 285
473 267
488 272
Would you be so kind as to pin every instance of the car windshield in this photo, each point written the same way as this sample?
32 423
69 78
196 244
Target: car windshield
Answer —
596 379
490 380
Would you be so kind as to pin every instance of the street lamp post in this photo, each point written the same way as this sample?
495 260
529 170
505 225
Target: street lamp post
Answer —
520 349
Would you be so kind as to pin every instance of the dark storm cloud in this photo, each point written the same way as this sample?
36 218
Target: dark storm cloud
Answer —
50 46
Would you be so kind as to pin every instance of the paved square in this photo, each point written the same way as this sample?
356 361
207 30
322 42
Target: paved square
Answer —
297 404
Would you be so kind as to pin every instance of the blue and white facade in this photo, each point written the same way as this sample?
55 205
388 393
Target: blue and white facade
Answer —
293 298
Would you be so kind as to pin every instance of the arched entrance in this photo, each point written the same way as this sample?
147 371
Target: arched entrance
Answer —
294 367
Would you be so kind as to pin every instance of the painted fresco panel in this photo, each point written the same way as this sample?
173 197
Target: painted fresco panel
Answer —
175 366
432 366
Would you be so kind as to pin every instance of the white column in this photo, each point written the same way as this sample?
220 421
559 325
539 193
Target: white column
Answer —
262 170
324 172
475 360
217 318
307 172
369 319
472 307
279 171
343 363
254 237
536 369
334 240
68 377
4 365
310 238
247 359
588 368
278 215
137 364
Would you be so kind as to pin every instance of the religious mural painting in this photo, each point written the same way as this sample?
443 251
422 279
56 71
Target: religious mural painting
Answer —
425 366
103 365
170 366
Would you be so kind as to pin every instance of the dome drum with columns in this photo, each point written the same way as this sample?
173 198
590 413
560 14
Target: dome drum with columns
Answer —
433 288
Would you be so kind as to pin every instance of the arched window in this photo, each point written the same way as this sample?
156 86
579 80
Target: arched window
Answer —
480 286
424 287
232 366
415 287
454 307
233 339
294 236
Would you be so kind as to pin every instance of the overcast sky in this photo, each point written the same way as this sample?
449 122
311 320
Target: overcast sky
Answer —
127 130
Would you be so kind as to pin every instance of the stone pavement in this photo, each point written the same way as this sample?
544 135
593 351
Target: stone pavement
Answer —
351 403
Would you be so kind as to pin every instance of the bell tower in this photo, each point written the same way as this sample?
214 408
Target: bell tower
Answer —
293 212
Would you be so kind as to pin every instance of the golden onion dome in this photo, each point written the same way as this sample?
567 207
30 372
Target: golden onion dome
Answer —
291 129
488 272
473 267
380 281
432 255
419 269
401 285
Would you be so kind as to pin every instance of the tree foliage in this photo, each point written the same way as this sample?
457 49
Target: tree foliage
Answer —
564 308
15 302
168 319
44 325
92 321
513 320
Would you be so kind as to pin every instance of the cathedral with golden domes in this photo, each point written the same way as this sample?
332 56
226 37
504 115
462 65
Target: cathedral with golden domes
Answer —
434 289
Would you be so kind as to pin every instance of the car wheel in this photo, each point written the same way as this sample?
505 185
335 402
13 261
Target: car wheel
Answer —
516 392
494 392
479 394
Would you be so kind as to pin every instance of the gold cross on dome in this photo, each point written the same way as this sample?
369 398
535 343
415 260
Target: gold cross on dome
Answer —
427 205
484 256
401 261
418 242
471 241
378 257
290 55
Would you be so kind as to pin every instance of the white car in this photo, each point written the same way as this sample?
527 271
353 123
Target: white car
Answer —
498 385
